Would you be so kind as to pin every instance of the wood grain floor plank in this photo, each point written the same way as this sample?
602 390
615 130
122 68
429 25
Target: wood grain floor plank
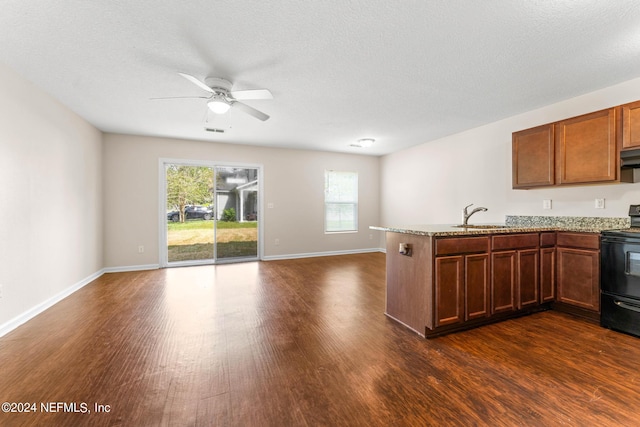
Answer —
303 343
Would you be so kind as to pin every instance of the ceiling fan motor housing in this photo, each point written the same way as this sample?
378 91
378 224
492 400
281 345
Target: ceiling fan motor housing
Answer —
218 84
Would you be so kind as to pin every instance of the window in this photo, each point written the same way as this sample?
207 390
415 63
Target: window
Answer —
340 201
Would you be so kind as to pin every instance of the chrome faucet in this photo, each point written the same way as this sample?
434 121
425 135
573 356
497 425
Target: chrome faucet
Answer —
466 215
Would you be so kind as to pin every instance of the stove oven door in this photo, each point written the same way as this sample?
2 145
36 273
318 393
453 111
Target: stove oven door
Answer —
620 264
620 282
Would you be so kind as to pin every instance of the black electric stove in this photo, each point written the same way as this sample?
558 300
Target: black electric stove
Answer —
620 276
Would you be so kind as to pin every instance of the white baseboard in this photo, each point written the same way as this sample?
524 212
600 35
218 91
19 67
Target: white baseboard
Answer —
131 268
317 254
12 324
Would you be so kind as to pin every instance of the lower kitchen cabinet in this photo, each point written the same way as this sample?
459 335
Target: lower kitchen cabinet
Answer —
578 278
527 278
578 271
476 286
514 282
409 296
547 267
547 274
450 283
477 279
449 298
461 281
514 272
503 281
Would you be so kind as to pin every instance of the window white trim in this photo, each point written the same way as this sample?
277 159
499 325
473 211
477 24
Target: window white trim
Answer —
340 202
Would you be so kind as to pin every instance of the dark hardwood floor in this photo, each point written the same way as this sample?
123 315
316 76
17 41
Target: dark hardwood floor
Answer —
302 343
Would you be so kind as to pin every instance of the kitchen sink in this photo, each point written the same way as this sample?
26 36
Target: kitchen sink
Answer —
481 226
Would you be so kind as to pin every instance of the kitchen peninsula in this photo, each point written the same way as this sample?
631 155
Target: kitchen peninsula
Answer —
446 278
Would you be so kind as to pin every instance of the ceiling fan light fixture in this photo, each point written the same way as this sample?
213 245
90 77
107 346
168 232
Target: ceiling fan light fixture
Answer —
219 105
364 143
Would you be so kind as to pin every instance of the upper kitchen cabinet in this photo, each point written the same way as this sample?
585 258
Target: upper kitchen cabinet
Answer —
586 148
631 125
533 157
579 150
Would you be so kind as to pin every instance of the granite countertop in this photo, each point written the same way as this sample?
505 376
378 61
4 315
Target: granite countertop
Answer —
515 224
451 230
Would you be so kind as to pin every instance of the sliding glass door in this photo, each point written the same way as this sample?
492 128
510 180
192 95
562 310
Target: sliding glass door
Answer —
210 213
236 225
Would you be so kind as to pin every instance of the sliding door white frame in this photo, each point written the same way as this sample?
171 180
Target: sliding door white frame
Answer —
162 209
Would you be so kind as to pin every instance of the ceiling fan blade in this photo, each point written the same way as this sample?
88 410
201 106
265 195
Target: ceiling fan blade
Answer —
250 110
196 82
252 94
180 97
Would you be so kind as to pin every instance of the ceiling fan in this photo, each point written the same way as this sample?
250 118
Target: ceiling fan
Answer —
222 98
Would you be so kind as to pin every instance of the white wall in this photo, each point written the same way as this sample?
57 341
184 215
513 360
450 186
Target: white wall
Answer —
293 182
432 182
50 199
65 186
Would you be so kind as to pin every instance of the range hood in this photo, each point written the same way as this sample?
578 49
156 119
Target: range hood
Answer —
630 166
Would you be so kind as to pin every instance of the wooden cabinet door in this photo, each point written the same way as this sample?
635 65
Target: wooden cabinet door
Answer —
449 288
503 281
586 148
476 286
579 277
631 125
527 273
533 157
547 274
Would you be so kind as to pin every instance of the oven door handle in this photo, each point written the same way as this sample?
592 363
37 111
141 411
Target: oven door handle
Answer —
628 306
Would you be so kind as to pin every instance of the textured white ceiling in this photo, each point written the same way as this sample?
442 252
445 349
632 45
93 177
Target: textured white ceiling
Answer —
402 72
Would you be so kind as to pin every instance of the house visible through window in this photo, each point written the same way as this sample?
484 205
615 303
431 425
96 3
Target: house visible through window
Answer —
340 201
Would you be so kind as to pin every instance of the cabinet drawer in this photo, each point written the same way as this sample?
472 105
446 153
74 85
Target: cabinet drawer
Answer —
548 239
579 240
515 241
461 245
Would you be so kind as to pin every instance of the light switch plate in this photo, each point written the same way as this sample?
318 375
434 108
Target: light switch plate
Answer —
599 203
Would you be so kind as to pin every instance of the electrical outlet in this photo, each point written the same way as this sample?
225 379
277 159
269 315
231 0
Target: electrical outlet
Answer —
277 242
0 291
140 249
546 204
599 203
